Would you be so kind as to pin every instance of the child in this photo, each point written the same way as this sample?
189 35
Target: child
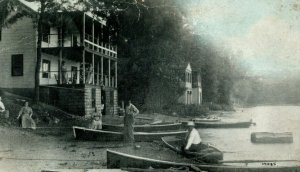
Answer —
97 120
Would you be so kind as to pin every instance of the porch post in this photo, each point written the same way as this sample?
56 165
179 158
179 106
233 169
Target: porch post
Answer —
83 29
116 74
83 66
93 69
60 53
93 55
102 70
98 72
109 73
83 54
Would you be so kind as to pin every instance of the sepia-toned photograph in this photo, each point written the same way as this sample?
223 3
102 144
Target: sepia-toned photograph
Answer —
150 85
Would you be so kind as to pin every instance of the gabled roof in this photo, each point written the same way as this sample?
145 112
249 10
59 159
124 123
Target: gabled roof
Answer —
34 6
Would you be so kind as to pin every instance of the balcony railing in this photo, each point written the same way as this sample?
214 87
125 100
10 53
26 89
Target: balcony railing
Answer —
99 46
75 77
54 40
73 40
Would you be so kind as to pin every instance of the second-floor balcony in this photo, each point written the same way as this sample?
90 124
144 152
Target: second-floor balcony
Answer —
73 40
97 45
75 77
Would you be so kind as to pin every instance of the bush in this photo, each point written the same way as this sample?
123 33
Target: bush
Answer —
214 106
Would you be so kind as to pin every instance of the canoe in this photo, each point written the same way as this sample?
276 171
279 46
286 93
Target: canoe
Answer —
220 124
122 160
82 133
267 137
209 154
206 119
144 128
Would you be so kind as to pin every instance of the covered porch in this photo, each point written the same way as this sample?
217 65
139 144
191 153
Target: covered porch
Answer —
78 81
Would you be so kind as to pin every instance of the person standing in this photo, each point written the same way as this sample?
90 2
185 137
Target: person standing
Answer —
97 120
130 112
89 78
25 117
64 73
3 111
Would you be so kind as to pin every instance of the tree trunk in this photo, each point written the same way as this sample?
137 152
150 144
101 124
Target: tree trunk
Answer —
39 53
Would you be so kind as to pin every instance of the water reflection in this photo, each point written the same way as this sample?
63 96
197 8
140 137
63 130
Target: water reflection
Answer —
236 143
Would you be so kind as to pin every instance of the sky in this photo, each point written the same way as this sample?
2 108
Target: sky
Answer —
263 35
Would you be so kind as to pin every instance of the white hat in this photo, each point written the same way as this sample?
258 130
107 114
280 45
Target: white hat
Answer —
191 123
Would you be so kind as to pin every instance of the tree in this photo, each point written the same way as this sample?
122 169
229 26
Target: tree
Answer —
45 6
49 8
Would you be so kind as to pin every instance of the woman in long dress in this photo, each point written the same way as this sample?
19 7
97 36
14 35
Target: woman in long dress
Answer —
26 120
130 112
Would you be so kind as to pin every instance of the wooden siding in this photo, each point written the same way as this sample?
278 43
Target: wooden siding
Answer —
19 38
54 69
197 96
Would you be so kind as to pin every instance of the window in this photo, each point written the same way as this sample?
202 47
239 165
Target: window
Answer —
189 97
46 68
17 65
75 42
46 33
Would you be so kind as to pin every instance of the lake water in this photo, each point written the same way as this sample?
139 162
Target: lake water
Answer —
236 143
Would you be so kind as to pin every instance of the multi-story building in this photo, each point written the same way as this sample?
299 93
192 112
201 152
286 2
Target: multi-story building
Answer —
192 84
79 63
188 81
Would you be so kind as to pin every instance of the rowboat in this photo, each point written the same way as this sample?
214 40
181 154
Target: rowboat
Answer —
267 137
122 160
144 128
222 124
209 154
206 119
82 133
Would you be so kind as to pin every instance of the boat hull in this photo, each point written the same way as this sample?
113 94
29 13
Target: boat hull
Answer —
81 133
245 124
122 160
144 128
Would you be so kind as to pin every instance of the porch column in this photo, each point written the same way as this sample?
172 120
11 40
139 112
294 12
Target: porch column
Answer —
116 74
93 33
83 52
109 73
102 70
83 28
93 69
102 35
83 66
60 55
93 55
98 68
59 66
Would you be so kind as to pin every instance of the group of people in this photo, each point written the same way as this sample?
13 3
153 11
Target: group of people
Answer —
24 117
192 139
65 77
130 112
